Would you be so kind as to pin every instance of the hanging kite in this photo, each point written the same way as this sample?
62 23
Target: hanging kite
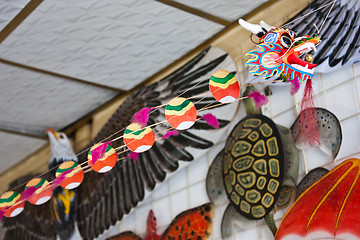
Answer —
258 162
328 209
105 199
100 200
278 53
336 22
194 223
294 58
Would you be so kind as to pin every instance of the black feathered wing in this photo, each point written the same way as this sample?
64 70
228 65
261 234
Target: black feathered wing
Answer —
106 198
34 222
340 33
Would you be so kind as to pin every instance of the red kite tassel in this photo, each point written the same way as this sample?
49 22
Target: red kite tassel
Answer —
309 132
211 120
259 99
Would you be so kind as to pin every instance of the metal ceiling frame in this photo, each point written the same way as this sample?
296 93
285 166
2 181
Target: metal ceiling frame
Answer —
24 133
196 12
28 9
54 74
19 18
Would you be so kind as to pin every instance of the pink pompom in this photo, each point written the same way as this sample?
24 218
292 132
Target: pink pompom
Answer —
171 133
60 178
28 193
259 99
134 156
98 152
211 120
142 117
295 85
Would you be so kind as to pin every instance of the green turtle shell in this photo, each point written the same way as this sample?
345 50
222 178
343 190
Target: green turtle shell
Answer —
253 166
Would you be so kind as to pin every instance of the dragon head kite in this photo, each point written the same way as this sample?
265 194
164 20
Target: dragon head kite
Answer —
279 51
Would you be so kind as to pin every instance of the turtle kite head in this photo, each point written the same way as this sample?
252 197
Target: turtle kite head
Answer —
279 52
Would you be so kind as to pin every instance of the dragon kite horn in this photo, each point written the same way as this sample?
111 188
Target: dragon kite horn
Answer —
255 28
266 26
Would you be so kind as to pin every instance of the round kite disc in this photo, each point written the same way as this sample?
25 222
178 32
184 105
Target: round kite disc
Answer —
10 199
138 139
180 113
43 192
224 86
72 179
107 159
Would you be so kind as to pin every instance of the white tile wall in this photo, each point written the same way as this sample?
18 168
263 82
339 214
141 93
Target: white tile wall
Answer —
185 189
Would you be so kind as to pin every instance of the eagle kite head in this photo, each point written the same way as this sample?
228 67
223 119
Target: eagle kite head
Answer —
61 149
279 52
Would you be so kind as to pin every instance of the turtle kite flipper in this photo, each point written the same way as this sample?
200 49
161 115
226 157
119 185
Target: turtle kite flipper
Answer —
328 126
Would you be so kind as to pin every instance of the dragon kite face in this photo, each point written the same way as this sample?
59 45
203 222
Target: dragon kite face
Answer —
279 52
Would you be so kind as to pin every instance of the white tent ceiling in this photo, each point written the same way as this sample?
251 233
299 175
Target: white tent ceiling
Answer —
68 58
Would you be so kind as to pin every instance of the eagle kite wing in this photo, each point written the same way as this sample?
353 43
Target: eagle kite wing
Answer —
340 39
106 198
35 222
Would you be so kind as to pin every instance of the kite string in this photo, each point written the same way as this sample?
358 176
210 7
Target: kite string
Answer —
162 105
327 15
299 18
182 93
87 149
87 168
106 138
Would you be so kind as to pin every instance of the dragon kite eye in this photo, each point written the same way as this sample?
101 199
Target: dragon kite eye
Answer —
285 41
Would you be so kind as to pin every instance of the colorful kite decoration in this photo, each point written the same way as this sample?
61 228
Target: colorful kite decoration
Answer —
278 52
102 160
191 224
10 204
253 166
73 176
224 86
180 113
328 209
43 191
278 55
139 139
